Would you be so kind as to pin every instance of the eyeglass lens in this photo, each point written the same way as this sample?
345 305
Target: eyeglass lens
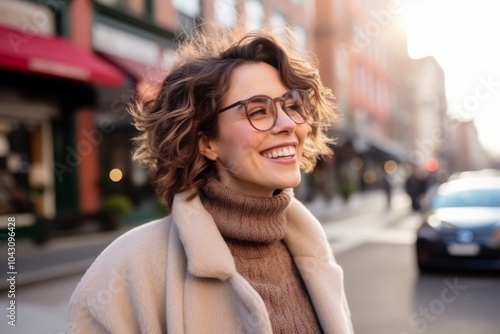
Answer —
262 112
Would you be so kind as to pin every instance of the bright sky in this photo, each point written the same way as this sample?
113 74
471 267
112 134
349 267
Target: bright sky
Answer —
464 37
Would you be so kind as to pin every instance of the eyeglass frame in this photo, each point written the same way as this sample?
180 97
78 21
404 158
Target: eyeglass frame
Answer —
303 94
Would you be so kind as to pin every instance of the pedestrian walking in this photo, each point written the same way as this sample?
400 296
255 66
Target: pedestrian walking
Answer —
234 122
387 187
415 187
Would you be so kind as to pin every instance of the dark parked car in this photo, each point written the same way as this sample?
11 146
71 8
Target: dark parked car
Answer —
461 229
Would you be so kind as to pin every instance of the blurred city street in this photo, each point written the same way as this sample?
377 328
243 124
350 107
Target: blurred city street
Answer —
374 245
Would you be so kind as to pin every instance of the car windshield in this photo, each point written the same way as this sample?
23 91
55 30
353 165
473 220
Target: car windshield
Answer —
468 198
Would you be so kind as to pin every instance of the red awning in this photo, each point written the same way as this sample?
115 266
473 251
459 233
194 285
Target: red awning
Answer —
137 71
55 57
148 79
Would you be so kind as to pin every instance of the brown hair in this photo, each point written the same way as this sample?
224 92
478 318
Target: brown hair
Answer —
191 94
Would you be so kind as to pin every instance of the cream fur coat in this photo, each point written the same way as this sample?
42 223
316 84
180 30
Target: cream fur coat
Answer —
176 275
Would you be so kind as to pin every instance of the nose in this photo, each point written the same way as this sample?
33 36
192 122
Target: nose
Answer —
283 122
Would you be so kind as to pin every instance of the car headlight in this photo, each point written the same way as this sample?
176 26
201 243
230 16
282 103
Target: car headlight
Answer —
433 221
436 223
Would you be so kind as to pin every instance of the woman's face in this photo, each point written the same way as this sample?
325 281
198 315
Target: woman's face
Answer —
244 155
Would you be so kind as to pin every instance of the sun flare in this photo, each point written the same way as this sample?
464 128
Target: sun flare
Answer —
462 35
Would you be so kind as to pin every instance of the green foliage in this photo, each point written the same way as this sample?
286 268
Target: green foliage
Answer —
117 206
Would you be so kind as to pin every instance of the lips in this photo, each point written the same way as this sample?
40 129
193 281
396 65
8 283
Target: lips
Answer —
279 152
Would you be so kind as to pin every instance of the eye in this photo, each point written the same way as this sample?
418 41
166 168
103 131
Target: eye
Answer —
257 112
258 108
293 106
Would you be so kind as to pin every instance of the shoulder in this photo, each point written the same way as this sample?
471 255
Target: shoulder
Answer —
129 272
305 235
131 254
302 222
138 244
149 235
299 216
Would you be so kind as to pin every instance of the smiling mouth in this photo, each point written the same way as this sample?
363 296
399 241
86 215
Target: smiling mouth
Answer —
281 152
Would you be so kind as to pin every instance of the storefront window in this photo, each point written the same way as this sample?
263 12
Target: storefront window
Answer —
225 12
26 16
15 163
116 159
138 8
110 2
254 14
187 13
278 20
300 34
187 7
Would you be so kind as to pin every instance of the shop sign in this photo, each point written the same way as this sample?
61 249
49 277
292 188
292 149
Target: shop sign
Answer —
59 69
30 18
119 43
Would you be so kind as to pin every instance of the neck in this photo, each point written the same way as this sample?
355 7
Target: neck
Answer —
243 217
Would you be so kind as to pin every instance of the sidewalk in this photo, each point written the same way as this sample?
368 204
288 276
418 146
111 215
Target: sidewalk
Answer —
359 203
59 257
74 254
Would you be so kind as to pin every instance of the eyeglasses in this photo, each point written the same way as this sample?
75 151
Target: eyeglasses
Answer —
262 113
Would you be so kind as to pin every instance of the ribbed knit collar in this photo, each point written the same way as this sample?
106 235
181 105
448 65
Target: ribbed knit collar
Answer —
246 218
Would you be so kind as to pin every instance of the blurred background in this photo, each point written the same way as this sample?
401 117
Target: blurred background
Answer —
417 84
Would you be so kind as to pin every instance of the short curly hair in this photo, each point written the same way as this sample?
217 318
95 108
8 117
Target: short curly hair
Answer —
186 107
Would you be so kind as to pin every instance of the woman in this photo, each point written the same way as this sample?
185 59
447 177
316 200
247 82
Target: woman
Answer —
225 140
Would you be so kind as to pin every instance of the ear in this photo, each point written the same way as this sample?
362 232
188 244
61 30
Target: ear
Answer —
207 147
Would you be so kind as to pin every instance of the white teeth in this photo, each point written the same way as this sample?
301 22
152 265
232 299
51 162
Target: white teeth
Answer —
282 152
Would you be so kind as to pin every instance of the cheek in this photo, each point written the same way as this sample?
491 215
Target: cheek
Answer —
304 129
302 132
238 142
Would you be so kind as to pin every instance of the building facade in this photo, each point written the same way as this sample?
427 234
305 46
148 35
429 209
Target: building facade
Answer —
48 93
360 45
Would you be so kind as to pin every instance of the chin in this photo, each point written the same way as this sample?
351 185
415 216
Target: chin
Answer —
289 182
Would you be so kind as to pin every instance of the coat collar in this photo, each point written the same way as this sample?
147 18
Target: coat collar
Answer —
207 252
323 277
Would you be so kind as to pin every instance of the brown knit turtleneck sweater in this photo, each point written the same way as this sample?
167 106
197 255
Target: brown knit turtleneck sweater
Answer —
253 228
